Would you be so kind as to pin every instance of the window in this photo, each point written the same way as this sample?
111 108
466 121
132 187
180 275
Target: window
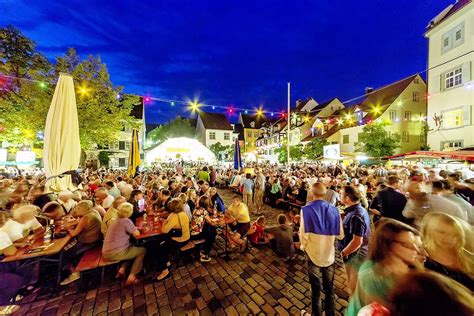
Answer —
416 81
453 78
212 135
405 137
226 136
249 134
451 144
122 162
453 38
452 119
407 116
121 145
345 139
393 115
416 96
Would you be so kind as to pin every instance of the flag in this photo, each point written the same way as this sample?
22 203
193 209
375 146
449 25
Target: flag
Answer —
134 156
237 156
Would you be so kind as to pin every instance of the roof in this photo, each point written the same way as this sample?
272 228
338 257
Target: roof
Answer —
447 12
215 121
259 120
239 128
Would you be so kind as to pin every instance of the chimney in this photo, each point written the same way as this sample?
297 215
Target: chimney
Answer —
368 90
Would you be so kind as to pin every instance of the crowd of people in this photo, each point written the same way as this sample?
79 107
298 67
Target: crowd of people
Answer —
392 226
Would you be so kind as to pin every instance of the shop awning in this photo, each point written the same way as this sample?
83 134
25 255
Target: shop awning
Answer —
467 155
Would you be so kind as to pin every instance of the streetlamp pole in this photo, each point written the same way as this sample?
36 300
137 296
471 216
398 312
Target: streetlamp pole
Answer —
288 129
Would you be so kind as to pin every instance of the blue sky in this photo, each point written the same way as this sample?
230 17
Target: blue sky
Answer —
239 53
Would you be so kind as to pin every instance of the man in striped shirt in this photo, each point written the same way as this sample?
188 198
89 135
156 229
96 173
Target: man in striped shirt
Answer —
320 225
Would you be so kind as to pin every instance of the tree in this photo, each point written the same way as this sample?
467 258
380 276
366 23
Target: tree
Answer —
220 150
179 127
102 115
315 148
296 153
425 129
22 102
375 141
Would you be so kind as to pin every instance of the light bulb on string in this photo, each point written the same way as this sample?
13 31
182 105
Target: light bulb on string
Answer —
147 99
42 85
246 112
172 103
118 96
259 112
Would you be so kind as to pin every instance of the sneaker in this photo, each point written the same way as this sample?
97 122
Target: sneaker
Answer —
205 258
8 309
73 277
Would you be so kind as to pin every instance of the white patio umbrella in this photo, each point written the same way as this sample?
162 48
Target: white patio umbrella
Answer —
62 147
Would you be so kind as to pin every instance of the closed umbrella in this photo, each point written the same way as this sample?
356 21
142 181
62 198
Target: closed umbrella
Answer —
62 147
237 156
134 156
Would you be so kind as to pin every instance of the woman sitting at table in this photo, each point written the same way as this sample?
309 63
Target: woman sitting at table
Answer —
178 224
117 244
87 236
53 210
203 227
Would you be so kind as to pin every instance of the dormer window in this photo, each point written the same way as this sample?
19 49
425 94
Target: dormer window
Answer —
252 124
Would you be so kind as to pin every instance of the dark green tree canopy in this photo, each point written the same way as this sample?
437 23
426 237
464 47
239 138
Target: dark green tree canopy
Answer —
179 127
375 141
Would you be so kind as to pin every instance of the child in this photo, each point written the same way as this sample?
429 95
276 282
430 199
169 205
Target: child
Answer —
256 234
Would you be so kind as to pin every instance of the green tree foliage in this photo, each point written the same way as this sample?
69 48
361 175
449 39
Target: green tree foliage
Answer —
179 127
101 114
24 104
375 141
425 129
314 149
222 152
296 153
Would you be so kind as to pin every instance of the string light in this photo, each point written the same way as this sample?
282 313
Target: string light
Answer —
147 99
246 111
194 105
42 85
172 103
260 112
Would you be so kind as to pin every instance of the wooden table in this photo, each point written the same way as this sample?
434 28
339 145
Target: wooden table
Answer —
155 227
46 255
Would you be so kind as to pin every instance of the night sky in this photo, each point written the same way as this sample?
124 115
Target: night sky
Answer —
235 52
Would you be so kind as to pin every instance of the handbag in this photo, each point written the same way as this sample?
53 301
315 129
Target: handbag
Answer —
177 232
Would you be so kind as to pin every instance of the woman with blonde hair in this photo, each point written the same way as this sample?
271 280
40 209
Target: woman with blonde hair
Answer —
117 245
177 228
446 241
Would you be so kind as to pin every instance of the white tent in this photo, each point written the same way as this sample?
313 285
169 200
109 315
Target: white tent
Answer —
179 148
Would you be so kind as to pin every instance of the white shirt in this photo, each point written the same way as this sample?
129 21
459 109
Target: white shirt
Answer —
13 229
5 241
436 204
108 201
32 224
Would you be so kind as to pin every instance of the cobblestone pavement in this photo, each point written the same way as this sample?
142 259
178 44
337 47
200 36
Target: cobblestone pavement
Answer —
256 282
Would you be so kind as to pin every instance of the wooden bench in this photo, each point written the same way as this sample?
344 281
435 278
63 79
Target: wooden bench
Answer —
93 259
191 245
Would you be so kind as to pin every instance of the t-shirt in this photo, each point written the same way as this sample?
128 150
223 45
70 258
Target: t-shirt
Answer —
13 229
356 223
198 220
118 235
5 241
177 220
109 217
284 239
248 185
107 203
240 213
371 287
32 225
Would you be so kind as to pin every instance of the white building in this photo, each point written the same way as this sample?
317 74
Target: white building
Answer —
214 128
450 82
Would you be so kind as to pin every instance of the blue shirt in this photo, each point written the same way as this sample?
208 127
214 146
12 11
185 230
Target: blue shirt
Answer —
356 222
248 185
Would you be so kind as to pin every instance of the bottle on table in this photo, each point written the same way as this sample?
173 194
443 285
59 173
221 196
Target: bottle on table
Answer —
48 234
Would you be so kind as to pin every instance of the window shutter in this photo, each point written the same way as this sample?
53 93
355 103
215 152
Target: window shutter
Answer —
436 84
466 115
466 72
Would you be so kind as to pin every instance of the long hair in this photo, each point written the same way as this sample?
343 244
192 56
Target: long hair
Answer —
383 237
430 223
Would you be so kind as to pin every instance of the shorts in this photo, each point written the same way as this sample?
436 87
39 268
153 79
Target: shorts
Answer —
241 228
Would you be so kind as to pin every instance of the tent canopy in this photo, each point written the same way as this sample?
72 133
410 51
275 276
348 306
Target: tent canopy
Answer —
178 148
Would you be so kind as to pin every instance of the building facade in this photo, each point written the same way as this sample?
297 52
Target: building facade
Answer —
213 128
450 77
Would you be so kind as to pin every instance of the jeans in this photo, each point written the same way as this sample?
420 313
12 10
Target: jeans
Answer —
132 252
328 287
